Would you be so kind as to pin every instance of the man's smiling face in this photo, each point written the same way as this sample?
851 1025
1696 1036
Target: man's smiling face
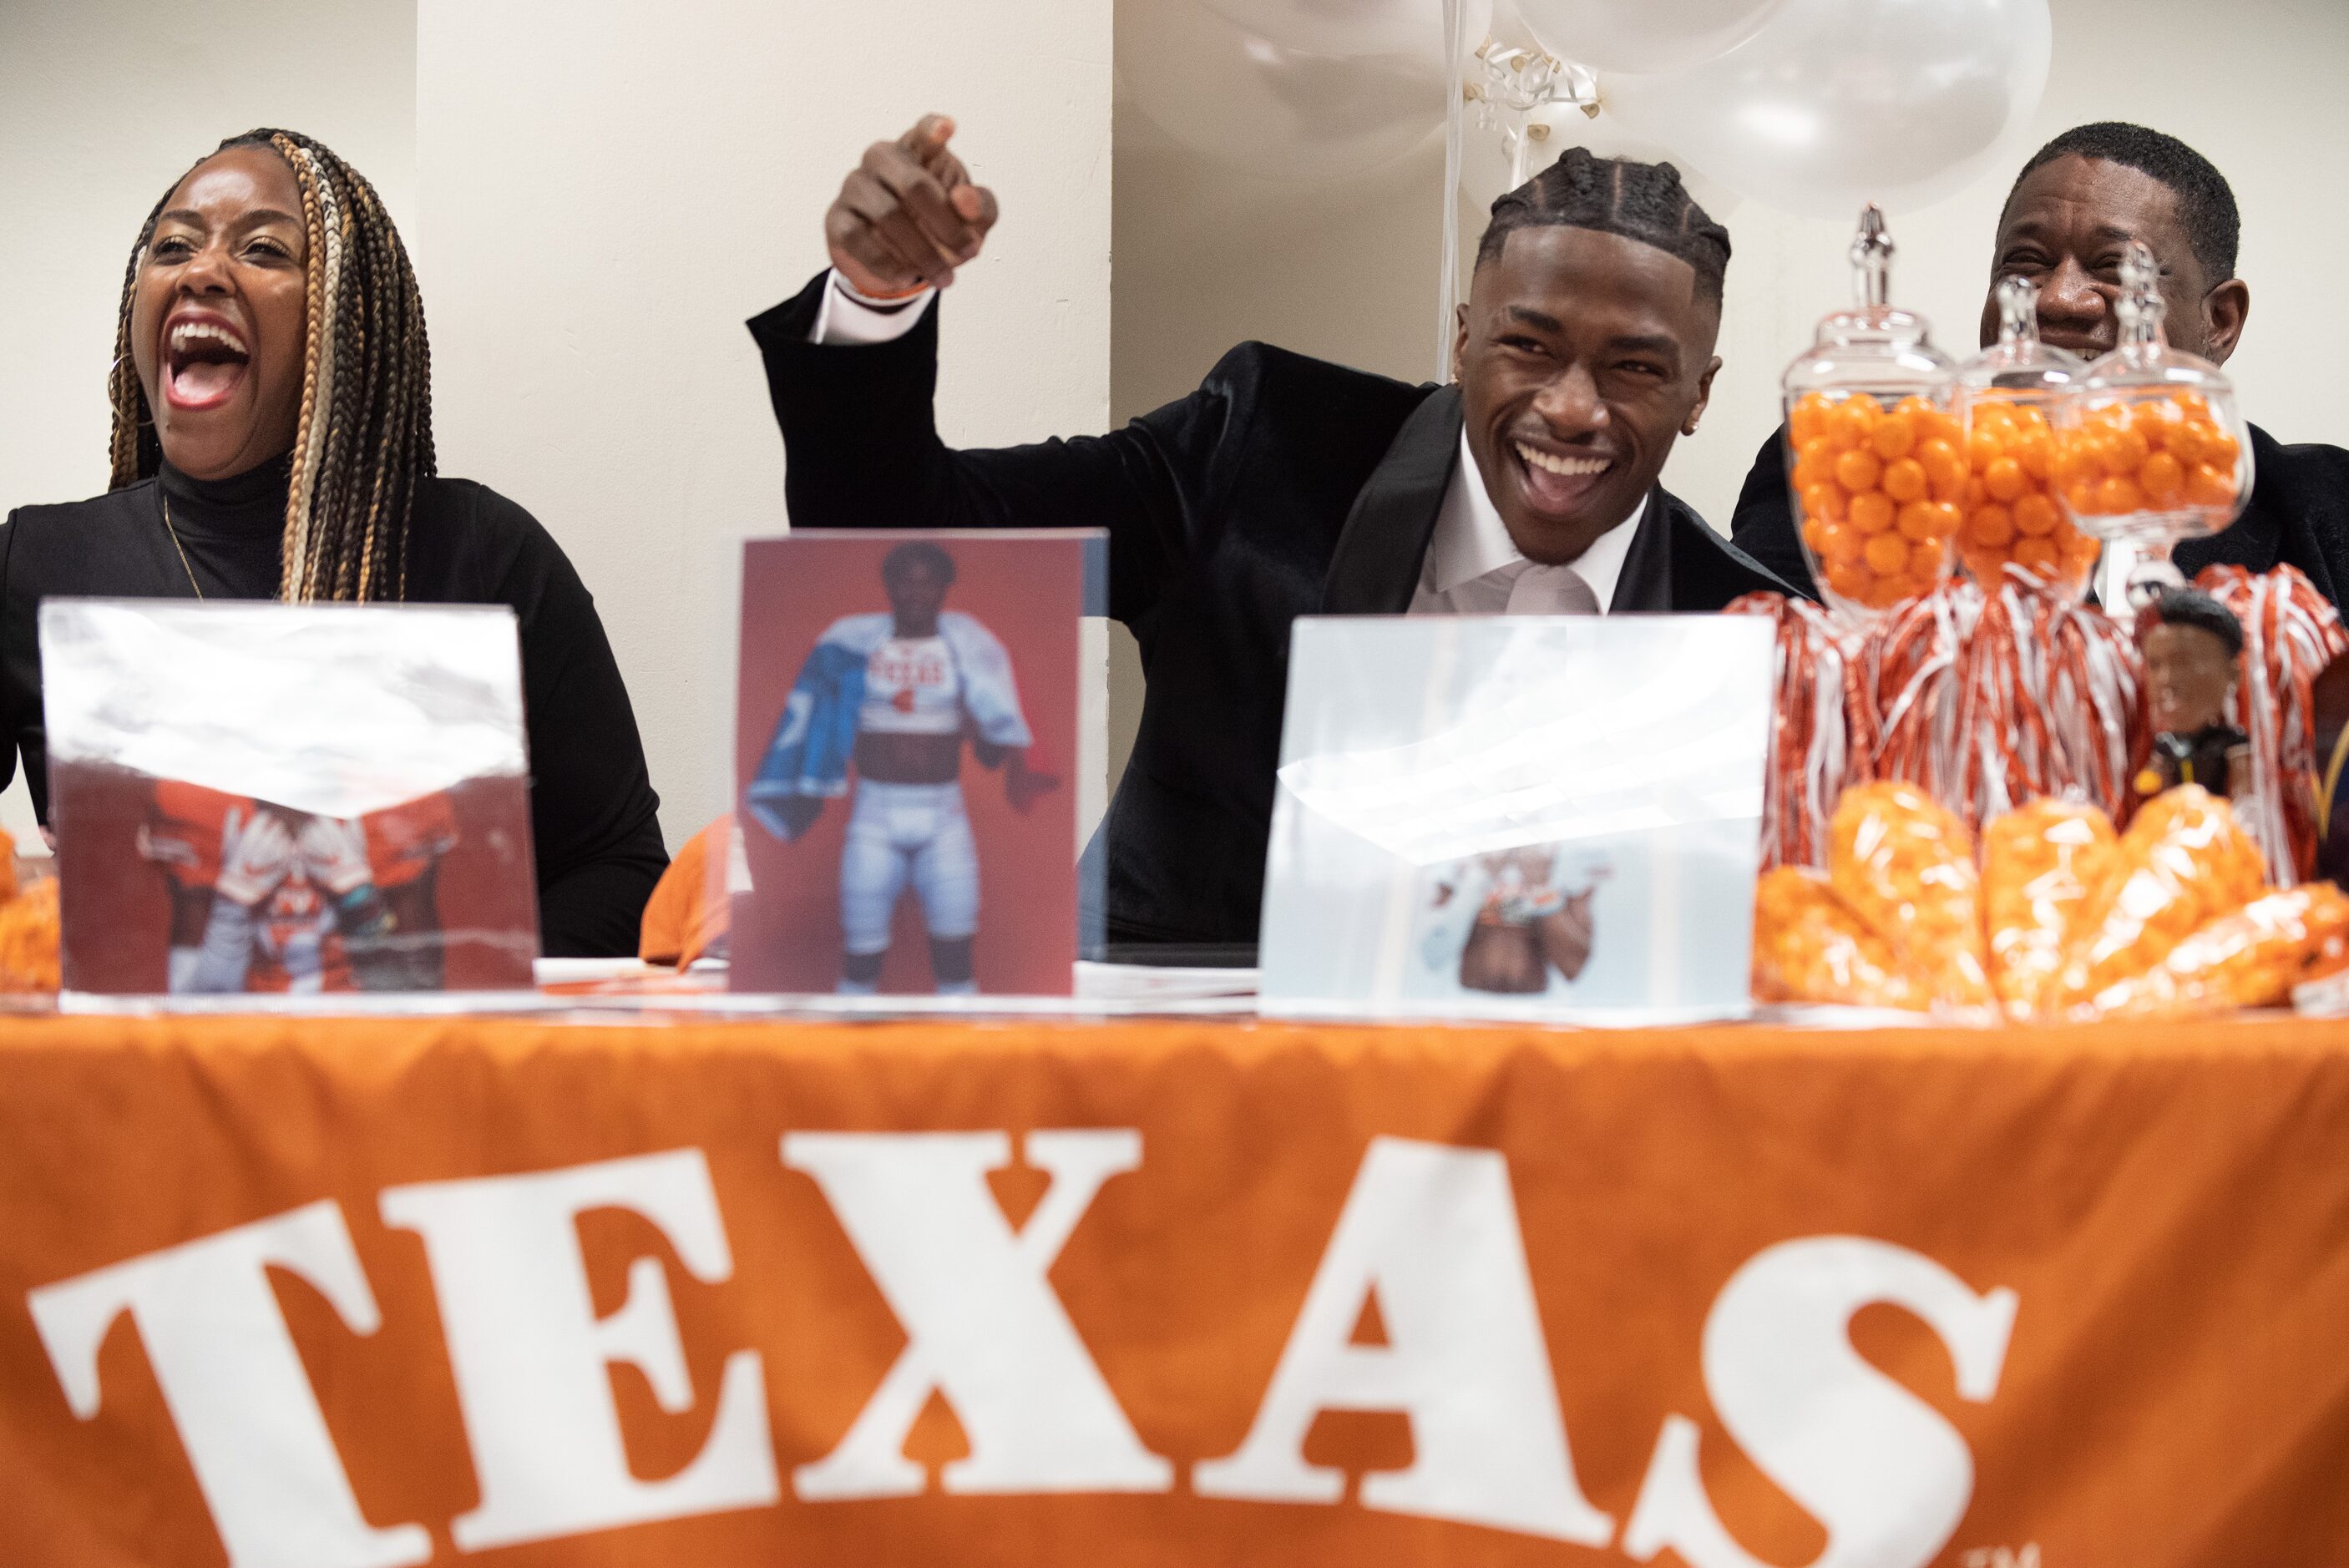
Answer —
1581 356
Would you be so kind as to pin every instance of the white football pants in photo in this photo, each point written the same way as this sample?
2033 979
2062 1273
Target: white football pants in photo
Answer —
902 832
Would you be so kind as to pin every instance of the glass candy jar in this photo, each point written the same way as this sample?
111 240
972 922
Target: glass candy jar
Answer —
2013 395
2151 448
1875 453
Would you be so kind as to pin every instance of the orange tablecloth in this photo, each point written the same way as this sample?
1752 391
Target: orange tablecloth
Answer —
277 1291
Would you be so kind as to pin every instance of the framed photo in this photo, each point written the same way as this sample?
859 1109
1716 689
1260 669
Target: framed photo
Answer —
1523 817
906 752
257 800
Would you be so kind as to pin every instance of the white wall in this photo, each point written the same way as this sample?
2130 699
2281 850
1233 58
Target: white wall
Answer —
103 103
1206 257
610 189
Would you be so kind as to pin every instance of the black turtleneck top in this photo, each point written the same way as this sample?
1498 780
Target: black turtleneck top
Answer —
598 846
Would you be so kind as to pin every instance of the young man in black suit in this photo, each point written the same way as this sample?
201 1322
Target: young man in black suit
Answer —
1287 486
2072 212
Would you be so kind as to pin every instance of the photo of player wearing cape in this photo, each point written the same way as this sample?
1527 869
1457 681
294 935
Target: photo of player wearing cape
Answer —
895 694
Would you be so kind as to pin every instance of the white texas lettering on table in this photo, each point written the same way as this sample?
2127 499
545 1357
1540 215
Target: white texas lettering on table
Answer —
1431 1231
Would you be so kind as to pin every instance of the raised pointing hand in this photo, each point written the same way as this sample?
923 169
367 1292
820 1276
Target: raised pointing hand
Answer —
908 215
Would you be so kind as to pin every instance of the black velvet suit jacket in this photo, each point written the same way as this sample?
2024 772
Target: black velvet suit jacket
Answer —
1283 487
2298 515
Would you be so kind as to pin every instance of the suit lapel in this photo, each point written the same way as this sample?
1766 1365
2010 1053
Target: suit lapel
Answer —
1376 564
1644 587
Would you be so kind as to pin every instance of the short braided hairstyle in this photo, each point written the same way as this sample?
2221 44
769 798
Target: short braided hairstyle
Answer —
363 442
1642 201
2206 203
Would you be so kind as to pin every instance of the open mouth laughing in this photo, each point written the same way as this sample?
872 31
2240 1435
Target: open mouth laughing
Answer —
205 358
1556 481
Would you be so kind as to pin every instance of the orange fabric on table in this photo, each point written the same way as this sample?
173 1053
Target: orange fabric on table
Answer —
689 908
2164 1200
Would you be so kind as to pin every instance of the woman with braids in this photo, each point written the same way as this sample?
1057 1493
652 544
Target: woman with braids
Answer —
273 440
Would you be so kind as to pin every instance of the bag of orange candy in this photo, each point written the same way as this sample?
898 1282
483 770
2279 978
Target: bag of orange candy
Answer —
1895 922
2072 921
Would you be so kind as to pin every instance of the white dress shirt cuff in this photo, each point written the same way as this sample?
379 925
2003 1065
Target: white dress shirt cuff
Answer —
847 316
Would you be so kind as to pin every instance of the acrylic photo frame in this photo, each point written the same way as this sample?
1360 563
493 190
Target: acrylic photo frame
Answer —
1544 818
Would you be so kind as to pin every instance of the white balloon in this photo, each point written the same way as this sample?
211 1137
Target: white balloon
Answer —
1274 112
1644 35
1412 29
1841 102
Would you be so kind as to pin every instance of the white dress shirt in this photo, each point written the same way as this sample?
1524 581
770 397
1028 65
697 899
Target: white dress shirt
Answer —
848 316
1473 566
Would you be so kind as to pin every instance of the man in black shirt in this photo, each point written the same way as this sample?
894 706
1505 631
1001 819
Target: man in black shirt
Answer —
2072 212
1288 486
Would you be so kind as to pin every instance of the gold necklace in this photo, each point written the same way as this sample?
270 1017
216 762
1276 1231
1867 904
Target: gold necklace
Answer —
177 545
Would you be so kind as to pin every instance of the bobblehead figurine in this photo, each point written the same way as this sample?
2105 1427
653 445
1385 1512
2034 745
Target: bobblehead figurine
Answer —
2193 646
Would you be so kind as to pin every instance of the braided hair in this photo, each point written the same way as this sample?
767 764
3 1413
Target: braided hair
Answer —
1642 201
365 437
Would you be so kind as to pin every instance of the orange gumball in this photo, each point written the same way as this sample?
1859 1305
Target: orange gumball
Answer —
1852 421
1991 525
1847 579
2189 443
2117 497
2080 497
1858 470
1842 543
1993 415
1894 435
1927 558
1945 471
2075 463
1824 500
2126 450
2035 515
1807 419
2162 480
1884 592
1886 553
1871 513
1920 520
2207 486
2003 480
2154 420
2219 450
1983 448
1904 479
2039 554
2035 449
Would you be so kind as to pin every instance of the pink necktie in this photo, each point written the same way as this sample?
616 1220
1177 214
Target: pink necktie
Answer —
1550 590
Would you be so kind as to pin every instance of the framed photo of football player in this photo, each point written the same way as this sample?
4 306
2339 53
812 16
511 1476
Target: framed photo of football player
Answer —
258 799
906 758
